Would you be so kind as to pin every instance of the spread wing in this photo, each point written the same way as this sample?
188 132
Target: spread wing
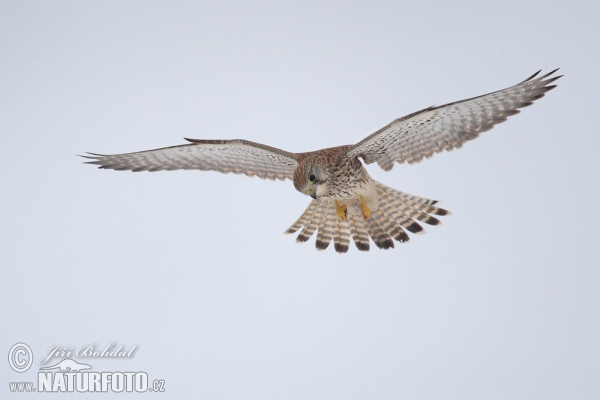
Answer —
237 156
421 134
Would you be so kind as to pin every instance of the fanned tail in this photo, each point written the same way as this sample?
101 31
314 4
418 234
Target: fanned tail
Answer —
397 213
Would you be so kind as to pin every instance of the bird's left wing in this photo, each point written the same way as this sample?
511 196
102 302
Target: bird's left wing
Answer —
238 156
432 130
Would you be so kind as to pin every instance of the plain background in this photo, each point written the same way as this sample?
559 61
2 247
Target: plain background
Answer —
499 302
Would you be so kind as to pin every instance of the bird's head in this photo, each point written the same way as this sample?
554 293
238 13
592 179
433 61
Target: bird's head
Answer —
311 179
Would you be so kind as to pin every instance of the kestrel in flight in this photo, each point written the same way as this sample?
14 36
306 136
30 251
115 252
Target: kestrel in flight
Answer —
347 202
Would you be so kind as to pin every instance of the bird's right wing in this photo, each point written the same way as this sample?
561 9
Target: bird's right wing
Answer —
237 156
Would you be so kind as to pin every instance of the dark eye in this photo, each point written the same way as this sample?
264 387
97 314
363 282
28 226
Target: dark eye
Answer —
312 177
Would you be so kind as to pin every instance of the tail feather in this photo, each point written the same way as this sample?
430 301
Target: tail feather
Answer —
392 228
381 238
312 223
359 232
418 203
421 216
341 240
409 209
396 213
387 207
326 228
306 215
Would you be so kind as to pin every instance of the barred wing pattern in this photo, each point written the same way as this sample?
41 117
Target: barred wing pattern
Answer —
237 156
432 130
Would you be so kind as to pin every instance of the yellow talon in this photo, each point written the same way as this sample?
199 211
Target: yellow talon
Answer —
341 211
365 210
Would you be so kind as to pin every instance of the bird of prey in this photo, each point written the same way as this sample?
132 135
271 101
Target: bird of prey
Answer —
346 201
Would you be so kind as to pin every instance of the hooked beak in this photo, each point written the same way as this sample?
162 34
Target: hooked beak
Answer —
313 195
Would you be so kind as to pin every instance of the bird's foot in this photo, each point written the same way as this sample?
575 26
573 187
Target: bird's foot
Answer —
341 211
366 212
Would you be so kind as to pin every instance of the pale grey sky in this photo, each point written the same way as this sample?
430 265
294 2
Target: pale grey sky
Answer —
499 302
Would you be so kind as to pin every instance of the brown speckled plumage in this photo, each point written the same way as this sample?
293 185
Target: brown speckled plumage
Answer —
337 174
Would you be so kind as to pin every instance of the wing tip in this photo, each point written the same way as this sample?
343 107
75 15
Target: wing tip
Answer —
543 76
532 76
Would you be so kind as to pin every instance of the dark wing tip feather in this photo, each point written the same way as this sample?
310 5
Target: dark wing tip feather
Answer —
88 157
550 73
531 77
547 81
